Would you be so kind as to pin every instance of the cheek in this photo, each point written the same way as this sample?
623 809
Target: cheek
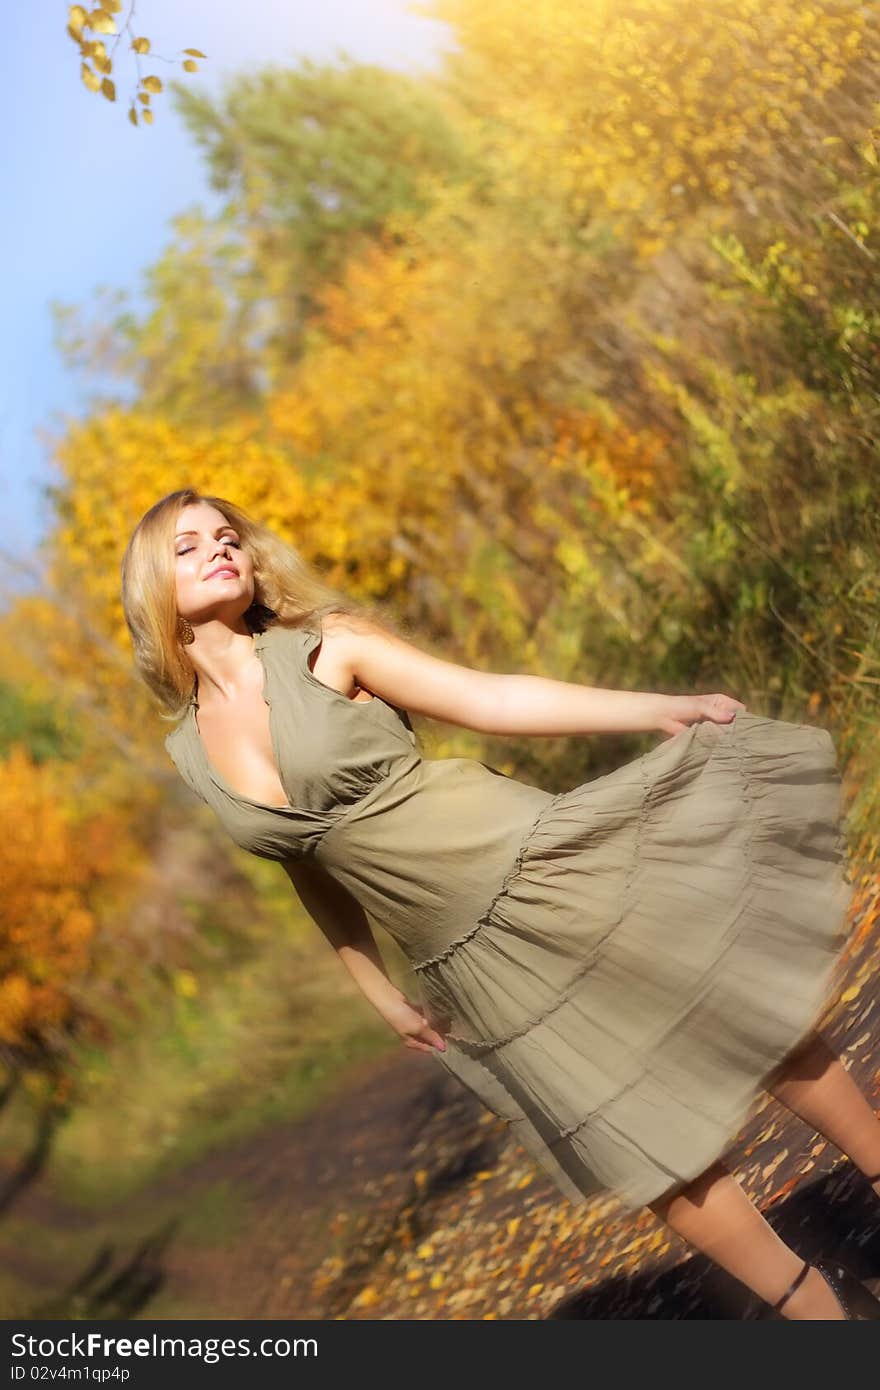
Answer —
185 575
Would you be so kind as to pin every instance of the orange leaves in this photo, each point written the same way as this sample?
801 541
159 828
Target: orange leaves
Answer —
15 1006
48 925
423 396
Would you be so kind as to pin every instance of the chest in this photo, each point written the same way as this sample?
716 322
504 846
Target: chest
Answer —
239 738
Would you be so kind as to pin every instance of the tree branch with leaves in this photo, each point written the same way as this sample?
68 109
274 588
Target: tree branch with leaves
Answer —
97 64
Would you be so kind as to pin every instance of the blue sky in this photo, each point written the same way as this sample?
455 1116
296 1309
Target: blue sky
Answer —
88 198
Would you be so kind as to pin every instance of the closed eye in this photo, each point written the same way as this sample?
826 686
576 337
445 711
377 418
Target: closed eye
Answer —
236 545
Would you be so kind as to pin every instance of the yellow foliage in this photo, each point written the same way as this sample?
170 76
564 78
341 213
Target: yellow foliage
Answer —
571 84
457 430
48 863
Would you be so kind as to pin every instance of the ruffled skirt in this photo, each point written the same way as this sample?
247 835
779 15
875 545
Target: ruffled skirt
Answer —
668 933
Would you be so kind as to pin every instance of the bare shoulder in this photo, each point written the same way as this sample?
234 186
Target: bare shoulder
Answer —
345 632
338 624
408 676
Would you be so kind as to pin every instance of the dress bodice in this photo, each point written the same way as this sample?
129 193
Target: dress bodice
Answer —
329 751
423 844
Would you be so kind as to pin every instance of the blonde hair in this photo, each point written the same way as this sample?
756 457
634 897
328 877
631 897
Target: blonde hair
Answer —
287 591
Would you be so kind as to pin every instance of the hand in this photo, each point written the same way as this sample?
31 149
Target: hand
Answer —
681 710
410 1024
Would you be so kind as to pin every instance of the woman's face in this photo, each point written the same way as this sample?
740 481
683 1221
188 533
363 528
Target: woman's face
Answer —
207 548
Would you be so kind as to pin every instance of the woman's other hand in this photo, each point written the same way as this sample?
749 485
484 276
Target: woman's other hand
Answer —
410 1024
679 711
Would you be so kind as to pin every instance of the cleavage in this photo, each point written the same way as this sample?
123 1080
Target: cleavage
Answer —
246 727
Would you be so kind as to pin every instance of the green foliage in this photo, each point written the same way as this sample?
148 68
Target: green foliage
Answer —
44 734
316 161
324 154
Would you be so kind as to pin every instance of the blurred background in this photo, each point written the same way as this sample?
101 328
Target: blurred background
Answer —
557 327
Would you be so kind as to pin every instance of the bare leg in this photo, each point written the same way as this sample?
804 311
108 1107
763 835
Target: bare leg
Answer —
814 1084
715 1215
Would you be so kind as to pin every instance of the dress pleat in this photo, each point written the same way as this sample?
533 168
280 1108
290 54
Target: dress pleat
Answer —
669 932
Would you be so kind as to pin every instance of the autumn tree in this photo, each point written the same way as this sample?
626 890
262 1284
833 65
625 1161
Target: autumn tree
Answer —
475 405
315 162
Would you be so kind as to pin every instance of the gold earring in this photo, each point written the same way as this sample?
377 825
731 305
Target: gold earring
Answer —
185 634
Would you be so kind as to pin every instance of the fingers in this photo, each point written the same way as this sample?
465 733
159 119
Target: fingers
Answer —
418 1046
720 708
433 1041
431 1035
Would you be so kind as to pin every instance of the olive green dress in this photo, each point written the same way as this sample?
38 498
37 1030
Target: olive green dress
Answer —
615 968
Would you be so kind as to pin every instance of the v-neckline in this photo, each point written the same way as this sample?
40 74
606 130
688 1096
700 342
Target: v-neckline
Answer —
213 772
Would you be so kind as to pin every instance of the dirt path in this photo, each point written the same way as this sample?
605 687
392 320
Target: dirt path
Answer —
403 1198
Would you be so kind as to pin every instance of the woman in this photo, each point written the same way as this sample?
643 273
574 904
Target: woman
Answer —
616 970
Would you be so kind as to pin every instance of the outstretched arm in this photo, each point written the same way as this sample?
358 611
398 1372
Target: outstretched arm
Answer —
489 703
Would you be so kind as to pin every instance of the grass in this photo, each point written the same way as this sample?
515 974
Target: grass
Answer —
59 1255
262 1039
267 1036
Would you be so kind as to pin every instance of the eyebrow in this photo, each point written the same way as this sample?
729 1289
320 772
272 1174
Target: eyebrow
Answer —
195 533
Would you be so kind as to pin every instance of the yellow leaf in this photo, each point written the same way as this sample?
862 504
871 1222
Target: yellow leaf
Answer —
91 79
100 22
114 6
76 17
850 994
153 84
108 89
148 117
144 97
141 45
366 1297
195 52
190 66
774 1164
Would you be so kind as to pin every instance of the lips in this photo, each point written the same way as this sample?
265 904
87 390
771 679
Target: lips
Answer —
223 569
